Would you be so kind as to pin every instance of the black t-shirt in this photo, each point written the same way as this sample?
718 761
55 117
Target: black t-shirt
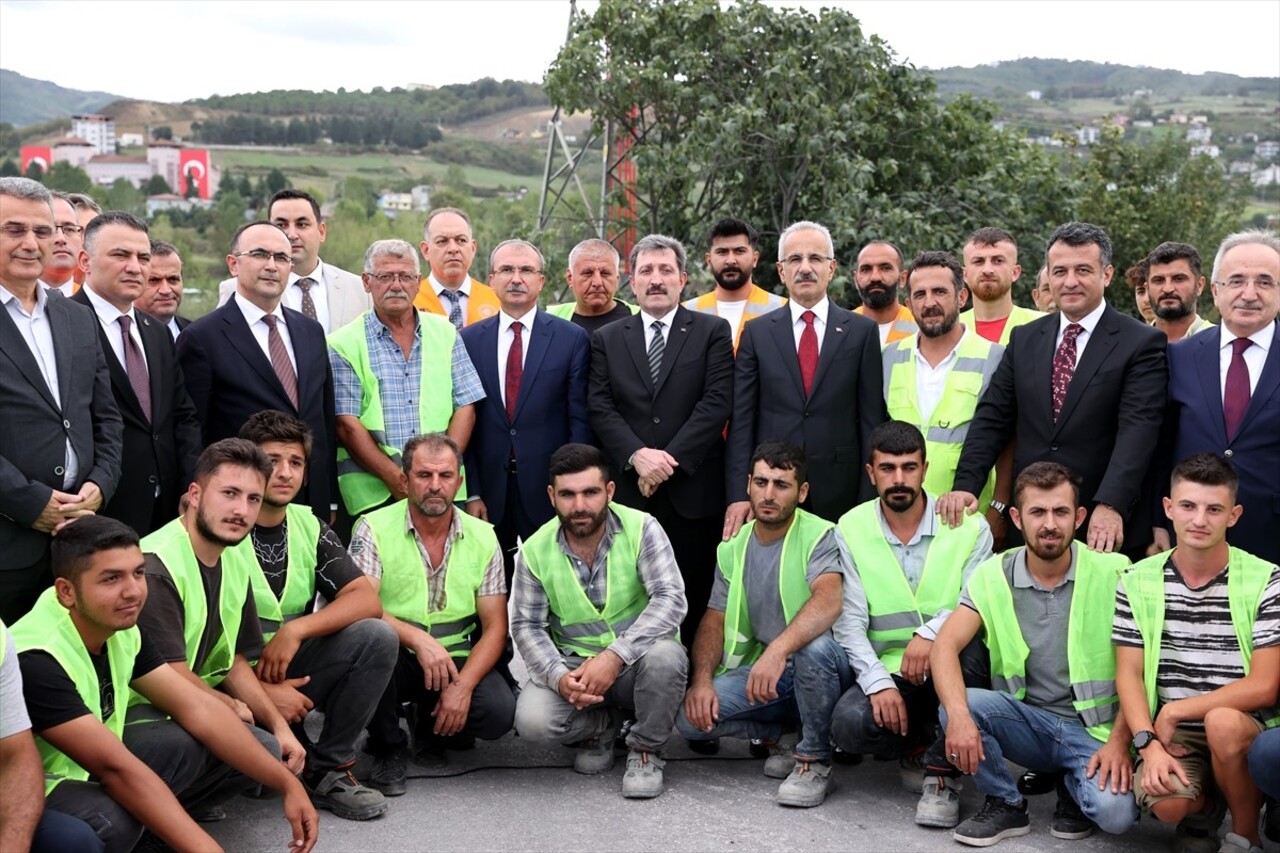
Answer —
162 618
51 695
619 312
334 567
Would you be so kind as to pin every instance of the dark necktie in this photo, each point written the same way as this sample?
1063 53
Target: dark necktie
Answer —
515 370
1064 366
136 366
455 306
280 360
656 348
808 351
1235 397
308 304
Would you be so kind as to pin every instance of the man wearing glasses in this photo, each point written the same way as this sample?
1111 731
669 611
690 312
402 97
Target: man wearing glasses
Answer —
253 354
62 267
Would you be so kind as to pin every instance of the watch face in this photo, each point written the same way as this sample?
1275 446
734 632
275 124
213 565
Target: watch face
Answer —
1141 739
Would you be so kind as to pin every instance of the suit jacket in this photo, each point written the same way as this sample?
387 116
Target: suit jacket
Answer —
344 292
1194 425
684 414
1109 424
162 452
832 424
551 410
229 379
34 428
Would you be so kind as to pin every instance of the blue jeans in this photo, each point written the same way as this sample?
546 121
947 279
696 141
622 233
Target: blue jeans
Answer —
808 690
1264 762
1044 742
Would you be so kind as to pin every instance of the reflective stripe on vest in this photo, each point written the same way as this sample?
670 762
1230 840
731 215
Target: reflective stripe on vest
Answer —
895 612
404 591
758 303
576 625
48 628
302 535
1247 578
975 363
360 489
741 648
1091 660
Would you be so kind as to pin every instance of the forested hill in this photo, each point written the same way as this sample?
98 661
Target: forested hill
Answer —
1062 78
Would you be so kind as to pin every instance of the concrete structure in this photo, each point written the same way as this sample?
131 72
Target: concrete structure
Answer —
166 159
99 131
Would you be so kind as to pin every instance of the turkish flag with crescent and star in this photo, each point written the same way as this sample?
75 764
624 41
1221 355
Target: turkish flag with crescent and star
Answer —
194 162
41 155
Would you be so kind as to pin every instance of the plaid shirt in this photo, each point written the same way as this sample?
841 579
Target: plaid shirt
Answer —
399 380
658 571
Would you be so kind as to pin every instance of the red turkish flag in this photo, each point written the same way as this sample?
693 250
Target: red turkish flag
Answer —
41 155
194 162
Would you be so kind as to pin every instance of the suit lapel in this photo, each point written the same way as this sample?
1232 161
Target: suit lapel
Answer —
679 333
60 326
151 329
1209 378
539 343
1268 382
14 346
833 338
784 339
243 342
633 335
1102 340
1043 348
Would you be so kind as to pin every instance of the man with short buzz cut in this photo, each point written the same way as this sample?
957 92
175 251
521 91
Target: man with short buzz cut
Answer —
62 272
595 604
449 290
732 258
81 655
327 294
877 274
592 276
990 270
1197 636
161 429
162 295
1174 284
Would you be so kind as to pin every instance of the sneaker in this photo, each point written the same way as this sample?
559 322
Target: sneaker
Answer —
807 785
1238 844
391 772
711 746
594 756
1033 783
939 802
997 821
339 792
911 772
643 779
1198 833
780 759
1069 823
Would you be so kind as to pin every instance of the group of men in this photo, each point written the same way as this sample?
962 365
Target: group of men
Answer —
833 532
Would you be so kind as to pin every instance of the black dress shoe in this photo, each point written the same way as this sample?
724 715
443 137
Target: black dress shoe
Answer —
1033 783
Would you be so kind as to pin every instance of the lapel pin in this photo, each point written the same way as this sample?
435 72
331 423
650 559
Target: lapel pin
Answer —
839 328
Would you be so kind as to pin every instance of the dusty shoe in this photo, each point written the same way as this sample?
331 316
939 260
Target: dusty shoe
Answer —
1238 844
911 772
1069 823
807 786
339 792
594 756
780 761
939 802
997 821
643 779
391 773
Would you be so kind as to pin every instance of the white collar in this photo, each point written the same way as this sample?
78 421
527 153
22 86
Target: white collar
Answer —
665 319
252 313
436 286
107 312
316 275
1261 338
819 310
1088 321
506 321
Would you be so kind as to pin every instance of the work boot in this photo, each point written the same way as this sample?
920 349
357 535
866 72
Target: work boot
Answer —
339 792
911 772
391 772
997 821
807 786
780 759
1069 822
643 779
939 802
595 755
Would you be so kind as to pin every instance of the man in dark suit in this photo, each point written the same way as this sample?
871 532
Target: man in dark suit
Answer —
810 373
1085 388
254 354
661 390
534 371
60 432
162 297
1224 397
161 431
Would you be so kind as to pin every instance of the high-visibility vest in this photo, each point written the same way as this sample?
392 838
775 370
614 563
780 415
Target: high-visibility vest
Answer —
482 302
360 489
1017 316
1091 660
1247 578
904 325
576 625
404 591
565 310
895 611
759 302
48 628
302 535
173 546
975 363
741 648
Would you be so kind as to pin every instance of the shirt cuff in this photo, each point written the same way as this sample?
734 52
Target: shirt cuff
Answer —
876 679
624 649
554 673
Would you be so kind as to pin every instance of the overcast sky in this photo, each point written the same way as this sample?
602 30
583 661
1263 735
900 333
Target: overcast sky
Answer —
172 51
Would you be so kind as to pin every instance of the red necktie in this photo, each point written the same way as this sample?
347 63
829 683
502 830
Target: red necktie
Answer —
515 370
1064 366
1235 397
808 351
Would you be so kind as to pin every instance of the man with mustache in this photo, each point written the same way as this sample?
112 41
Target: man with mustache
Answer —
912 568
990 270
390 382
592 277
162 296
62 272
1043 612
1174 284
877 275
732 257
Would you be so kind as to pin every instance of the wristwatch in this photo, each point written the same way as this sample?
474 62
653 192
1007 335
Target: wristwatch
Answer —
998 506
1143 739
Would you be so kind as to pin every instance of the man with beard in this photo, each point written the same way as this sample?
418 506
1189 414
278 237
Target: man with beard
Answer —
990 269
62 271
596 603
912 568
162 295
1174 283
732 257
439 574
1043 611
339 658
877 275
593 280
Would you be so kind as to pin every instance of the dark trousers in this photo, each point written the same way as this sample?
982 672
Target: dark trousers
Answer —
694 542
20 586
516 526
62 833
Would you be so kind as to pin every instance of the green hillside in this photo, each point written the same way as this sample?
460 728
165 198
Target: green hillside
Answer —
25 101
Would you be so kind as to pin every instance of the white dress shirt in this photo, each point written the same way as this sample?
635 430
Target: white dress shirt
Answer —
505 339
464 289
1255 357
253 316
666 326
1089 322
172 326
931 382
819 322
109 316
319 295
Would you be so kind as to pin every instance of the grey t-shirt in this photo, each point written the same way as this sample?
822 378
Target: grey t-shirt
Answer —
1042 615
13 710
760 579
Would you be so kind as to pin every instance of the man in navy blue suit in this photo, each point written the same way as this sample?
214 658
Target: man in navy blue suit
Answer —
1224 390
534 371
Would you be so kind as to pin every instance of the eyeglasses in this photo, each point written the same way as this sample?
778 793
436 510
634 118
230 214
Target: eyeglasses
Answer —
69 230
797 260
395 277
506 271
17 231
264 256
1238 282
